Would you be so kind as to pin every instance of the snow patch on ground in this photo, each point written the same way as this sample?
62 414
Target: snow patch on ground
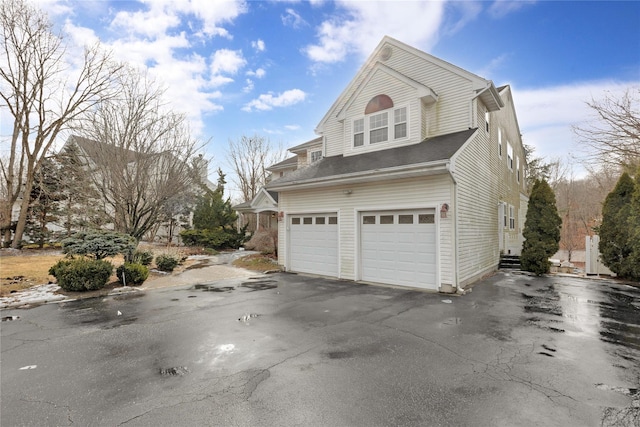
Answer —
36 294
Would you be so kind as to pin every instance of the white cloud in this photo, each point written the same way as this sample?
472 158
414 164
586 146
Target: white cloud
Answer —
371 21
150 23
259 73
248 86
268 101
292 19
292 127
258 45
501 8
547 114
227 61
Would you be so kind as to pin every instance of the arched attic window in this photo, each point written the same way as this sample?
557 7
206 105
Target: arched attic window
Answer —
378 103
382 122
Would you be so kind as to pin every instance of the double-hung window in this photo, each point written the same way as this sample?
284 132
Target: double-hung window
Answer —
512 218
378 127
509 156
382 122
358 132
518 167
400 123
499 142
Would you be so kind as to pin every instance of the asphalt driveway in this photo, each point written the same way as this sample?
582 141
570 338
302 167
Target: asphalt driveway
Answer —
292 350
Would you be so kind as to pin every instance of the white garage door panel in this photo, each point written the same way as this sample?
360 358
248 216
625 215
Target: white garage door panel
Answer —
400 253
314 244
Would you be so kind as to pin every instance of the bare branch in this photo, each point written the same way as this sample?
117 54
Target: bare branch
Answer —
43 93
612 136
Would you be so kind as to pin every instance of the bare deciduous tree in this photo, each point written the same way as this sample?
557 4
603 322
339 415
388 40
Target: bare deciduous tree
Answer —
43 94
249 157
612 137
140 154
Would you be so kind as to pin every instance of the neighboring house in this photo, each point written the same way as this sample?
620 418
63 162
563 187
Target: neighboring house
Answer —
260 212
417 179
91 151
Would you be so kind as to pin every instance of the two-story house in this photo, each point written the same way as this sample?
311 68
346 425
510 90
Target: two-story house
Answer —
417 180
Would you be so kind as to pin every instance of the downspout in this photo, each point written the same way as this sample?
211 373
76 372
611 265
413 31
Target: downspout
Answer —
456 267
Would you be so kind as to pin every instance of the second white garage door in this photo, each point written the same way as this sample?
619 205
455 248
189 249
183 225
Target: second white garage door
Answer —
313 243
399 248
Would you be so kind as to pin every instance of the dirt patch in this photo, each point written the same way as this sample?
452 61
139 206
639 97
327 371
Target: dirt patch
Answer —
258 262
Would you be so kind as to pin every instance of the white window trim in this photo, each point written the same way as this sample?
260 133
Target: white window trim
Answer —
509 156
390 128
499 142
518 168
311 155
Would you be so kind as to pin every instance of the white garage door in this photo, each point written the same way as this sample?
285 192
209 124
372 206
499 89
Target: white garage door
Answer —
399 248
314 244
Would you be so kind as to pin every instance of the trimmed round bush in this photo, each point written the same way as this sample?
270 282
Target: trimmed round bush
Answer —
81 274
142 257
166 262
134 274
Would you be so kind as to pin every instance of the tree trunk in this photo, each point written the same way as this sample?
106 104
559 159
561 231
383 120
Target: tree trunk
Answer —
22 218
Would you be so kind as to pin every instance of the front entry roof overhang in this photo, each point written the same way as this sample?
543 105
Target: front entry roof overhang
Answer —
429 157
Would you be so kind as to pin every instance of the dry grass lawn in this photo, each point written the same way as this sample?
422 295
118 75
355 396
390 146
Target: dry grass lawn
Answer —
22 272
258 262
31 268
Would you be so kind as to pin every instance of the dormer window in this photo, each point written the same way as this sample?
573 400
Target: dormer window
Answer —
316 155
382 122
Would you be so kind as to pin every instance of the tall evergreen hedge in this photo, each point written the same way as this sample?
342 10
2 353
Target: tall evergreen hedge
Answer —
614 232
541 229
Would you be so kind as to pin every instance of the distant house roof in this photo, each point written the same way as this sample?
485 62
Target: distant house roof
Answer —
285 164
430 150
305 145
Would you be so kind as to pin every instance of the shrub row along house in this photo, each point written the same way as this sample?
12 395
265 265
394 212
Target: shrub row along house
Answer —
417 178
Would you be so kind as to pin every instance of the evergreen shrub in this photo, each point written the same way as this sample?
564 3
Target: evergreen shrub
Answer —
134 274
81 274
142 257
541 229
166 262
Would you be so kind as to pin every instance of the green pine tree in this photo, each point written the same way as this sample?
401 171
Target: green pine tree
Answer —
541 229
44 203
634 232
615 233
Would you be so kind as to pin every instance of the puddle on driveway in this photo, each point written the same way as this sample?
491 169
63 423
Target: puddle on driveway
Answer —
260 285
212 288
176 371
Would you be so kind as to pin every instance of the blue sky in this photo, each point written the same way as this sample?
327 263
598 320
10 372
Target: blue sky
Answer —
273 68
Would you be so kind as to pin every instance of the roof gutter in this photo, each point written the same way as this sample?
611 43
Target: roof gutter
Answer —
430 168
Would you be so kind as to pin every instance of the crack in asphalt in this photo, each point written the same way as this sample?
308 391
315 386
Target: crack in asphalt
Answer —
66 407
499 373
245 387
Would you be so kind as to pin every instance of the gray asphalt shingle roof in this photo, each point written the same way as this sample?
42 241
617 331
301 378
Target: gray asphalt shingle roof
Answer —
430 150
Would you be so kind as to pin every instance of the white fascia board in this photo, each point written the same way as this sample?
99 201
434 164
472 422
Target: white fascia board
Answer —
421 169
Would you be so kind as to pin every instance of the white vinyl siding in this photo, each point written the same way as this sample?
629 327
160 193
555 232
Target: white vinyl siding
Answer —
477 200
415 193
450 113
